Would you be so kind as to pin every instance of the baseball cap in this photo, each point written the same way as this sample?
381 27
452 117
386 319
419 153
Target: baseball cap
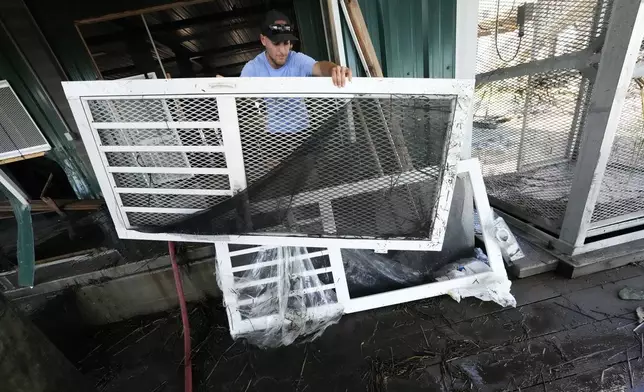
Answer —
278 32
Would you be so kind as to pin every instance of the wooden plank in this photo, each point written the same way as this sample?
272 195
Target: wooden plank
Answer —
22 158
63 204
125 14
364 40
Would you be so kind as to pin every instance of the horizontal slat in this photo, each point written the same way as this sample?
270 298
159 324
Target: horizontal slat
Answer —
264 297
318 271
166 170
264 264
157 125
310 290
246 251
171 191
155 210
274 279
259 282
323 312
161 148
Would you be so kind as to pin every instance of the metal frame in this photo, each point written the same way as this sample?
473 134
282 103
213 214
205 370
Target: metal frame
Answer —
25 238
225 90
469 169
616 66
28 150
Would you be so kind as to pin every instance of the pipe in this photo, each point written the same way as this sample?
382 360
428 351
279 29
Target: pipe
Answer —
184 318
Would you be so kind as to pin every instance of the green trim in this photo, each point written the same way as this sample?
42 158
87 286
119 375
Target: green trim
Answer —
25 253
311 28
25 247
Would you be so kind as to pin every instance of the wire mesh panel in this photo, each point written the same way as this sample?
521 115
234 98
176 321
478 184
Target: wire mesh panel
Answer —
374 160
622 190
513 33
19 134
525 131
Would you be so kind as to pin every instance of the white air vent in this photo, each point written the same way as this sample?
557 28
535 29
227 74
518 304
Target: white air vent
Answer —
19 134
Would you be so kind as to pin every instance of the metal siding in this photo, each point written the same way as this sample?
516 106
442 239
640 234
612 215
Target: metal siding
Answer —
33 96
404 30
311 29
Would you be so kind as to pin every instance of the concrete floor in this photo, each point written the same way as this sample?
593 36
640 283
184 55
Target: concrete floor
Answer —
564 335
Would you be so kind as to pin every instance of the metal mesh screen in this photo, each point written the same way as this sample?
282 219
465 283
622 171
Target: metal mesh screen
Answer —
368 166
524 132
551 28
622 190
168 109
17 130
527 128
350 167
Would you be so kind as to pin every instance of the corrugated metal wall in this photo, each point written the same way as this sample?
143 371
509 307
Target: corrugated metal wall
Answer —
417 37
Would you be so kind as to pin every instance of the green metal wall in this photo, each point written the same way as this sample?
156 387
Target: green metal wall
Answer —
417 37
17 71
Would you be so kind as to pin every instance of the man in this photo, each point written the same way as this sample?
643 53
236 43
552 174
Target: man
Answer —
278 60
287 115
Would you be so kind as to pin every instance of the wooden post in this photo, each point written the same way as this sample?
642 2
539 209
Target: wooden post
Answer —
357 20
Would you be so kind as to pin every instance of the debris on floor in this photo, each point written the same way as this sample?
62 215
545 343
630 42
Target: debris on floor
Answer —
631 294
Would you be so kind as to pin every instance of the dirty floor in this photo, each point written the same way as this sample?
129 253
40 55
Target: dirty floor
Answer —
564 335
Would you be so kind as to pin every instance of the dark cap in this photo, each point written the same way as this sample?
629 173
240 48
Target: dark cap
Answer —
278 32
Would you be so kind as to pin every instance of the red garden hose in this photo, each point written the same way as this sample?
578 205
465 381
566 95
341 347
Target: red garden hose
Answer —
184 318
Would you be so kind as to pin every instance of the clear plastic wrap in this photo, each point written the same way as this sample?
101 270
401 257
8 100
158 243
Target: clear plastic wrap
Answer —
491 288
510 248
286 297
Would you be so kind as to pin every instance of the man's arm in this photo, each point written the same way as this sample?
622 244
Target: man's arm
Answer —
338 74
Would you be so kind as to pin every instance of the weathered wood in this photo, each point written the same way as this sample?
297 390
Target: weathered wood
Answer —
21 158
364 40
63 204
125 14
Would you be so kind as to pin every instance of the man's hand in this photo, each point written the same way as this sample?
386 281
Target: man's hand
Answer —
340 75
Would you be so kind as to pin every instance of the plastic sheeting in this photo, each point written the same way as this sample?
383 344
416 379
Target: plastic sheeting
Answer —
510 248
286 294
492 288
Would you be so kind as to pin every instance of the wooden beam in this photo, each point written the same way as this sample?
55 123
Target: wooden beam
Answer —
125 14
254 13
364 40
63 204
22 158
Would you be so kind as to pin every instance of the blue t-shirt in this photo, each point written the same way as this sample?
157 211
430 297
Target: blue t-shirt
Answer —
285 115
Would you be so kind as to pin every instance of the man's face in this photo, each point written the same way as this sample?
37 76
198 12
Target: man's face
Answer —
277 51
